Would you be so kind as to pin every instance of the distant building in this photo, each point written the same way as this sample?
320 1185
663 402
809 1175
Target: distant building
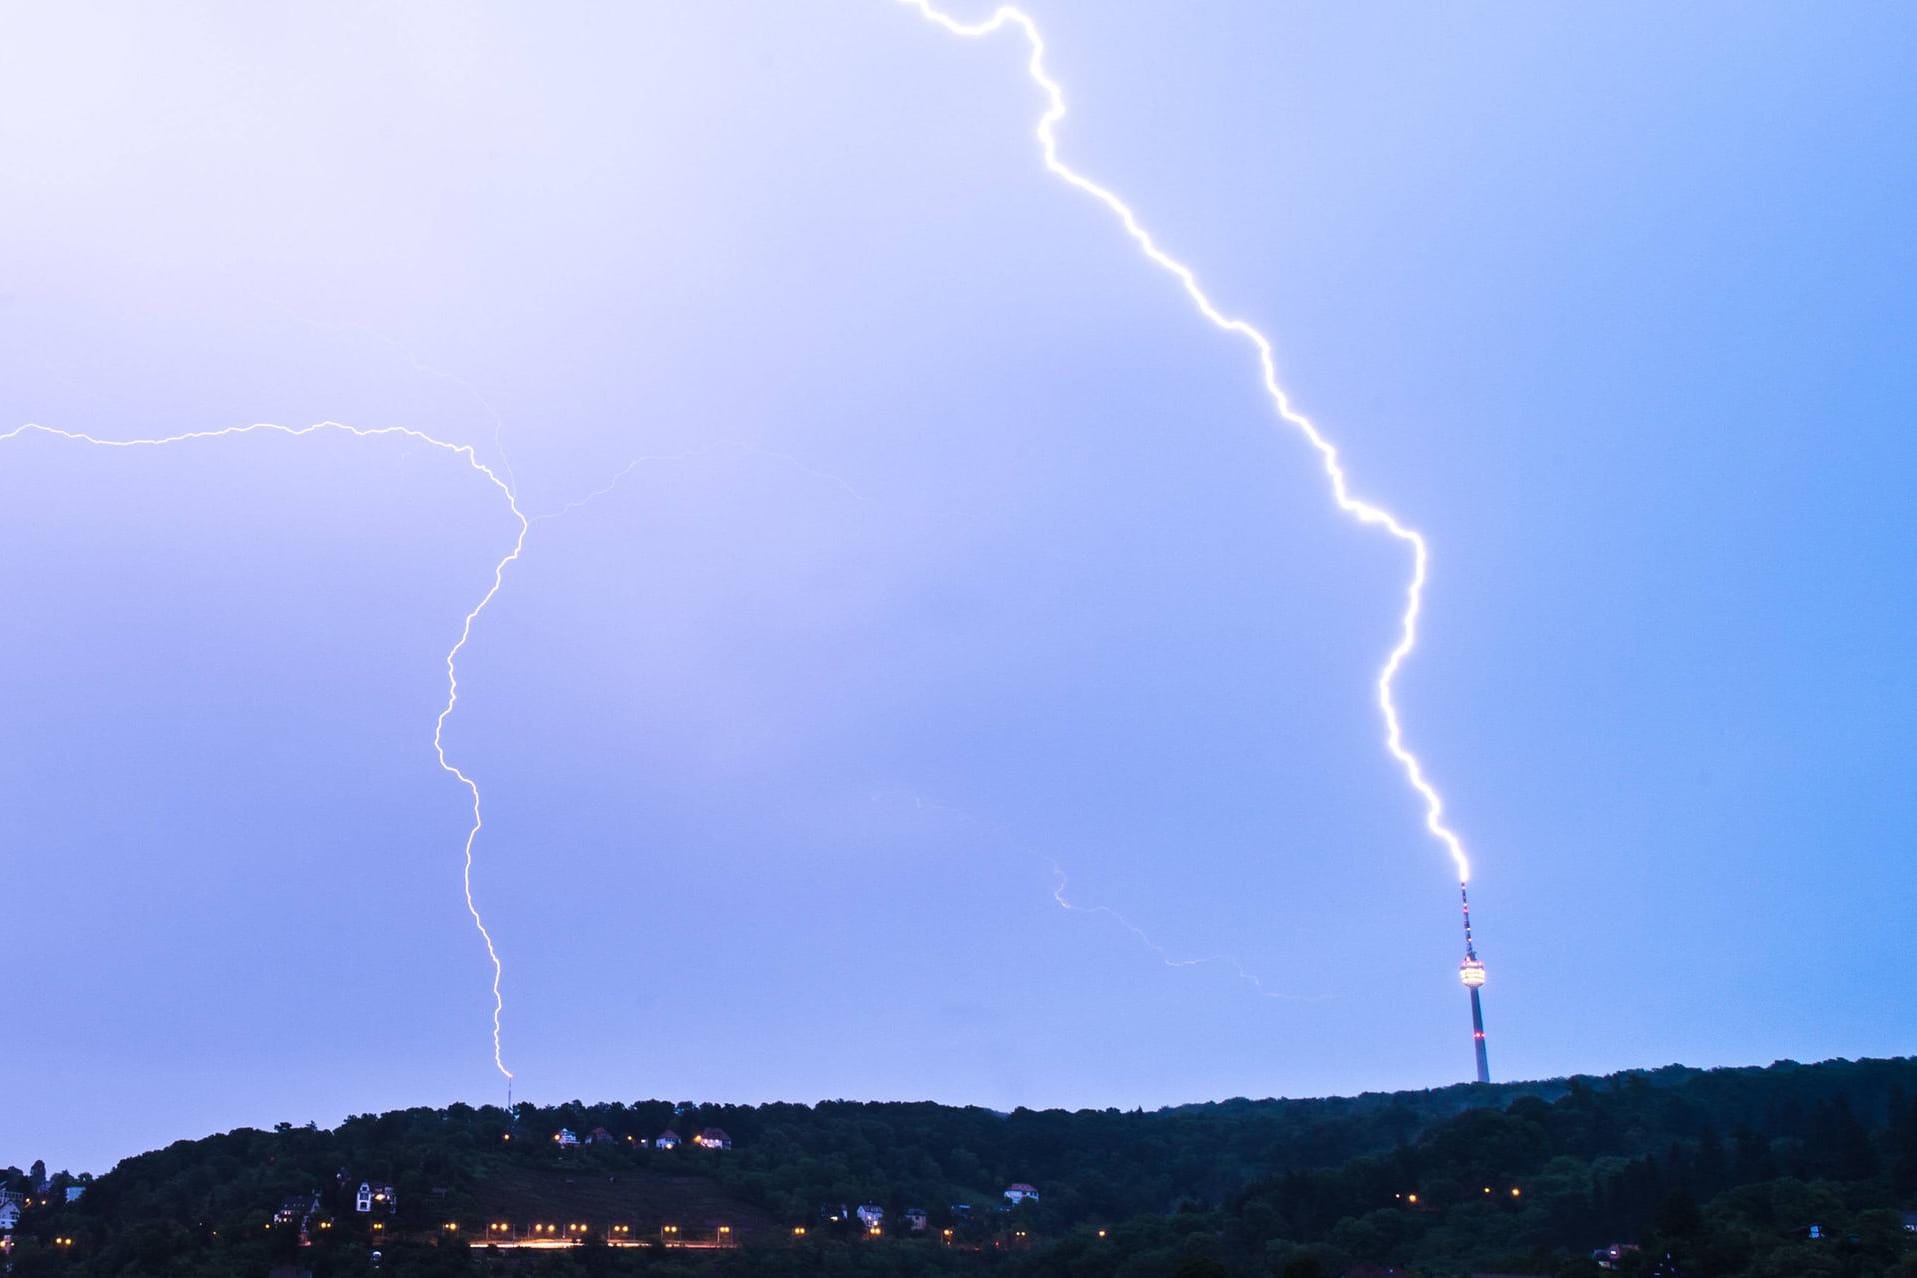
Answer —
1019 1193
564 1138
871 1215
600 1136
295 1210
667 1139
831 1214
9 1216
916 1219
713 1138
375 1198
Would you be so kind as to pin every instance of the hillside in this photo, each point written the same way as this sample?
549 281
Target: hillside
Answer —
1723 1171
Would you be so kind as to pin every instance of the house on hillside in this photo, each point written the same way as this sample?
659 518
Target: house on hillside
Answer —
871 1215
9 1216
375 1198
600 1136
713 1138
1019 1193
667 1139
565 1139
295 1210
916 1219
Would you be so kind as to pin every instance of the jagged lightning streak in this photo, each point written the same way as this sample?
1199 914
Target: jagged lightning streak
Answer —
1364 512
1165 956
1002 834
452 654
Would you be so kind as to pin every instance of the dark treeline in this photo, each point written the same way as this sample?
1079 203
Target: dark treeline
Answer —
1787 1171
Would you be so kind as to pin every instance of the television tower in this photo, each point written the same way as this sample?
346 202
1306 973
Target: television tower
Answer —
1471 972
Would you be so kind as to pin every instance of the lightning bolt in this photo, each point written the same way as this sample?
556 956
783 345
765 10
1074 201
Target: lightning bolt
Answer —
1003 834
1144 938
452 655
1365 512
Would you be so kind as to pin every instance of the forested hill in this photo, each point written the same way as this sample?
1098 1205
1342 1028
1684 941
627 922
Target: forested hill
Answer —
1709 1172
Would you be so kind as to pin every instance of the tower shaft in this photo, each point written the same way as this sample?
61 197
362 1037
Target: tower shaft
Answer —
1471 971
1477 1036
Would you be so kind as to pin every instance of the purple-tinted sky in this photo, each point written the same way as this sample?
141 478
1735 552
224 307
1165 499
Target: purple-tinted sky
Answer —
964 548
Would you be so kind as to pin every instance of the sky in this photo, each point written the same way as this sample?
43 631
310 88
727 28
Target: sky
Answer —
909 560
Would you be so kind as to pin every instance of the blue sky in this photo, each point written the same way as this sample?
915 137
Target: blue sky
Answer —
965 550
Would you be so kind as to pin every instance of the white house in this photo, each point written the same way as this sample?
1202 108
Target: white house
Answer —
9 1216
1019 1193
713 1138
564 1138
373 1197
871 1215
667 1139
916 1219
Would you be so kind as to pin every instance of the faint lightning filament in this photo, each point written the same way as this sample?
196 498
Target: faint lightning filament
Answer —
452 654
1364 512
